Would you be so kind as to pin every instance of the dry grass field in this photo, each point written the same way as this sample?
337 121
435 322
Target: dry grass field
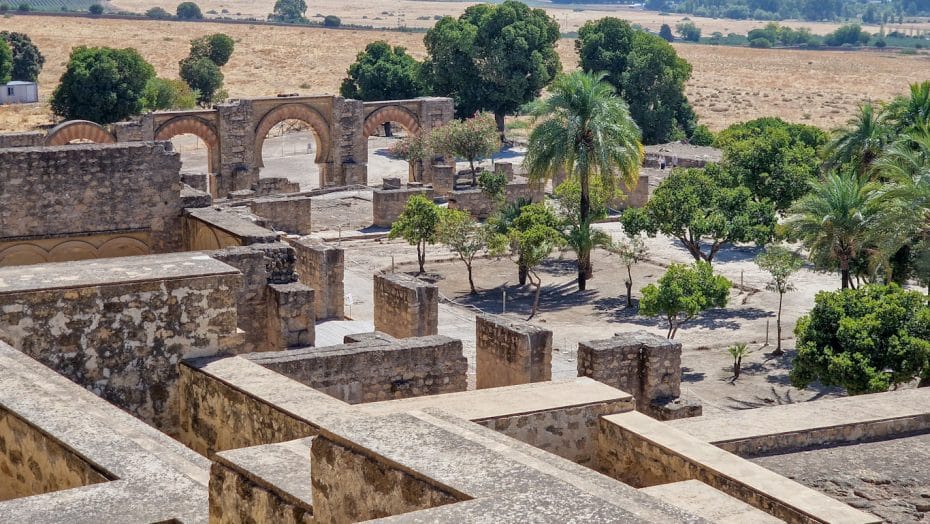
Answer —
728 84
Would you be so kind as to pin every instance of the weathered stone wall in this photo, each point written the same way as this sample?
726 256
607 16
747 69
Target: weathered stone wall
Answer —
217 415
352 487
637 197
75 189
321 267
237 168
405 306
290 316
238 498
119 326
207 228
375 370
510 352
24 139
640 363
481 206
32 463
289 214
388 204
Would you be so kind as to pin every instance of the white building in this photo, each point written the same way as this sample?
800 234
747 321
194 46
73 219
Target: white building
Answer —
18 92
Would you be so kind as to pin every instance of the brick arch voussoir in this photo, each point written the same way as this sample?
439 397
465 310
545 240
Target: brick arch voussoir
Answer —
64 133
188 125
300 112
398 114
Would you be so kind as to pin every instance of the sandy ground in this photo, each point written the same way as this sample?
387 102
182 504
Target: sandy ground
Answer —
728 84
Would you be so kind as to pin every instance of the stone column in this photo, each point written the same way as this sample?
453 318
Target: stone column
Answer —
238 167
405 306
290 316
322 267
511 352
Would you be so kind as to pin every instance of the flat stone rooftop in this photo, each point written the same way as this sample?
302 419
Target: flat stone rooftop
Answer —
106 271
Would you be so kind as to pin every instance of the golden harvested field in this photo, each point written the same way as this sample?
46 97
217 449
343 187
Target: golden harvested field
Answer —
728 84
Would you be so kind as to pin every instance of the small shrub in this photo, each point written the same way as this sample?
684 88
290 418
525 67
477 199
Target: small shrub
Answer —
158 13
24 8
95 9
332 21
702 136
760 43
879 43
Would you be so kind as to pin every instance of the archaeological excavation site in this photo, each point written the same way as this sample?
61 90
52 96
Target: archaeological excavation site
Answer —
227 343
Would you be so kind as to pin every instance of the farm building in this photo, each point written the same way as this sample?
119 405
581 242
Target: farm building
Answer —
18 92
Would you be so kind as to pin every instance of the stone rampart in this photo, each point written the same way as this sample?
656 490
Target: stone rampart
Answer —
510 352
388 204
119 326
375 370
321 267
91 189
405 306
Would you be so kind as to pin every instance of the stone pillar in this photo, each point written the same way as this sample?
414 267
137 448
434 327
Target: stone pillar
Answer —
141 129
505 168
290 214
238 167
350 146
290 316
321 267
645 365
443 179
405 306
511 352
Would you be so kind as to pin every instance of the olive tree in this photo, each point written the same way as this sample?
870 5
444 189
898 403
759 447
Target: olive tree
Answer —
683 292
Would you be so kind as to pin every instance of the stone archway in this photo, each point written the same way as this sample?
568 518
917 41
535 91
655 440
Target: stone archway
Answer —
401 115
305 114
198 127
66 132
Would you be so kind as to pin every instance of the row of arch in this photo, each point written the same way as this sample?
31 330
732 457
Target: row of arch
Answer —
69 250
86 131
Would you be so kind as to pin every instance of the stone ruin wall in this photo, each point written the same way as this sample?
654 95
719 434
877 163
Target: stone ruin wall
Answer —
481 206
388 204
510 352
405 306
321 267
89 189
375 370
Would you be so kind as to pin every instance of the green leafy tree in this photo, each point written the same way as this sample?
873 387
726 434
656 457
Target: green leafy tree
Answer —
417 224
203 76
533 236
774 159
494 57
27 60
688 31
382 72
701 136
630 252
102 85
585 130
6 62
502 223
835 222
158 13
465 237
95 9
780 263
218 47
646 72
683 292
703 206
332 21
666 33
189 11
851 34
865 340
165 93
472 139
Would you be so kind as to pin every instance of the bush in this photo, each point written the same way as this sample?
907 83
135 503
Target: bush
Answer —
683 292
332 21
218 47
880 43
164 93
702 136
95 9
189 11
158 13
760 43
24 8
689 31
203 76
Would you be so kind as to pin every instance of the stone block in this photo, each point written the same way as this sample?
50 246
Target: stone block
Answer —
390 183
443 179
290 316
321 267
511 352
405 306
289 214
388 204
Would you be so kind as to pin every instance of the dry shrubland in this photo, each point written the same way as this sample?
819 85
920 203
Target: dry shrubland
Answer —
728 84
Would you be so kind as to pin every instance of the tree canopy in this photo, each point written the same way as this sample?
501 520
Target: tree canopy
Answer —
865 340
417 224
683 292
218 47
27 60
646 72
6 62
189 11
203 76
102 85
382 72
473 139
494 57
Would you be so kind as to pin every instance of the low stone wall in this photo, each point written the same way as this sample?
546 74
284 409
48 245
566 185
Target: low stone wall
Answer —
290 214
32 463
388 204
23 139
405 306
510 352
481 206
322 267
641 451
209 228
375 370
119 326
290 316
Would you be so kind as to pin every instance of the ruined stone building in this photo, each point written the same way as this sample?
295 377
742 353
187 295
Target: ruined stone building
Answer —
158 361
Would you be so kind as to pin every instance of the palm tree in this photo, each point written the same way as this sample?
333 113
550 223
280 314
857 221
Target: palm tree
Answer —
836 220
913 110
860 143
585 129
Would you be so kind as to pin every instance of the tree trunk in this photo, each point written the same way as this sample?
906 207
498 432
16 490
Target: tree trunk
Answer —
474 176
522 272
737 367
538 285
844 272
629 287
499 119
387 130
778 352
471 283
584 255
924 382
421 255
